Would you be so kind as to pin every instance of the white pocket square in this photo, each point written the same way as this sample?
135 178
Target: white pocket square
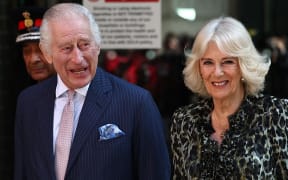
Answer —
110 131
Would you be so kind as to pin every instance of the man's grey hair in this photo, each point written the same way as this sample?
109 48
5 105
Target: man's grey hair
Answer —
63 10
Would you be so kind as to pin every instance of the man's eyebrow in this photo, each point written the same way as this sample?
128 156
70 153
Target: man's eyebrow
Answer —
202 59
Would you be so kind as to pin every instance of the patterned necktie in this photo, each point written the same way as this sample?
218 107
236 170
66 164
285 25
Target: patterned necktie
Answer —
64 138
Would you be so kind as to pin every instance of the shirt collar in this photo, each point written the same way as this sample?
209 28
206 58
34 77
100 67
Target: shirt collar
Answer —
61 88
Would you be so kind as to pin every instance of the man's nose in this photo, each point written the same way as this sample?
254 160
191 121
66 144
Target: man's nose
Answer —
77 55
35 57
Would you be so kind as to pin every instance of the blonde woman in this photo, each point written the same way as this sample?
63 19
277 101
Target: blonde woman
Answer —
233 131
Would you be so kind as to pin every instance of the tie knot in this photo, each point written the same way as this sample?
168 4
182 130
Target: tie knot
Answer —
70 94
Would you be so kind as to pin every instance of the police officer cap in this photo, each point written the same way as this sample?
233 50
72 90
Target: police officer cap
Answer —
29 20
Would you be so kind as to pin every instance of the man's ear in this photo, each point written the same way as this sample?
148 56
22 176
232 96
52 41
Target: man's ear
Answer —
46 54
98 50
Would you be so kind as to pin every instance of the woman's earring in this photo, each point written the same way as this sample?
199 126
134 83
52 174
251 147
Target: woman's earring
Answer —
242 79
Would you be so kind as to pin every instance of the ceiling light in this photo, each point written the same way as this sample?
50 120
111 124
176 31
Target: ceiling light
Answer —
187 13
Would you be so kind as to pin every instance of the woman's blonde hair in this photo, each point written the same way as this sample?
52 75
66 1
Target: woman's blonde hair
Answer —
232 38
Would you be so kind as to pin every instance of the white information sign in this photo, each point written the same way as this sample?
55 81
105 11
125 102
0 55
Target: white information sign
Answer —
127 24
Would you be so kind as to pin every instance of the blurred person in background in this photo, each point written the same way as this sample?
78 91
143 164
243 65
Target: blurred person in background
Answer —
277 78
233 131
28 25
170 90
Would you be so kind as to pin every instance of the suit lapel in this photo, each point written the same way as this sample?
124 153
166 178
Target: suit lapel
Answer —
97 99
45 118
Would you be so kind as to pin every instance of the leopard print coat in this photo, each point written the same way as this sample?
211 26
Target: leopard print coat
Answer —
255 146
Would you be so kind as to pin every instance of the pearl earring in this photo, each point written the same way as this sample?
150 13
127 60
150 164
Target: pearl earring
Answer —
242 79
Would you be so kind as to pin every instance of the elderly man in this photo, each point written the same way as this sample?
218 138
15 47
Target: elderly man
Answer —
85 123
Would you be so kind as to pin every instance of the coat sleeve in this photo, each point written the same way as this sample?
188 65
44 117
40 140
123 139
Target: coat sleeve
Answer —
279 137
151 153
18 147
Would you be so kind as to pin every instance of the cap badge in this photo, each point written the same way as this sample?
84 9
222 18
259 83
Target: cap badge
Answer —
28 22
